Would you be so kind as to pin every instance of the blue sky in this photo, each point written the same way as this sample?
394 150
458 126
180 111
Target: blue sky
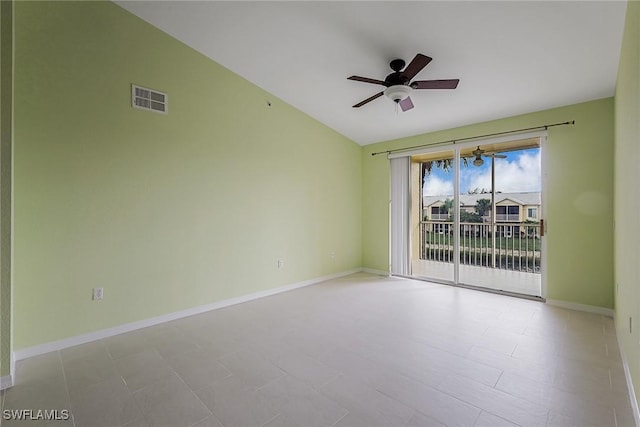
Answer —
520 171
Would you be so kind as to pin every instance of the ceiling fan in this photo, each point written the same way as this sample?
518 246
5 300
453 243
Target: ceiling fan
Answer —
399 85
478 153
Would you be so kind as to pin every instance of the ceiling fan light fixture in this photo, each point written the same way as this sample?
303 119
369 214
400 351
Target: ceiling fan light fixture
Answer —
397 93
478 161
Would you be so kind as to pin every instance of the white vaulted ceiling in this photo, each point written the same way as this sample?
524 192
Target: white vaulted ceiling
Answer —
510 57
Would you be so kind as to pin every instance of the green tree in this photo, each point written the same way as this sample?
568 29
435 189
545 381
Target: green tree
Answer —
483 206
469 217
446 206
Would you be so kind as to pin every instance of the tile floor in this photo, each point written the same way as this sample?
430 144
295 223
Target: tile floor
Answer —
493 278
362 350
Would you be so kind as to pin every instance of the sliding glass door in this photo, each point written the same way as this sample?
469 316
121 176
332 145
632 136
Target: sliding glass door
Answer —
478 220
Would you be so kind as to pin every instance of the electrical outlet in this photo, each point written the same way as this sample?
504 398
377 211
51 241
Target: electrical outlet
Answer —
332 254
98 293
280 263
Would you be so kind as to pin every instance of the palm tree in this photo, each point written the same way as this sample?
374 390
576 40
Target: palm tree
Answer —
444 164
447 205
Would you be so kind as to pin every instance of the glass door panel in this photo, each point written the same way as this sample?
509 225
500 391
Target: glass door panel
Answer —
499 236
433 254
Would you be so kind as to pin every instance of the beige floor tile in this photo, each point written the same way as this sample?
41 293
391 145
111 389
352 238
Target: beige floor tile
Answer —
489 420
429 401
126 344
545 373
511 408
421 420
211 421
311 341
499 340
84 351
300 404
170 402
172 342
370 372
37 422
251 368
367 402
418 359
281 420
84 372
108 403
199 368
624 416
139 422
33 395
142 369
39 369
234 403
558 401
560 420
301 366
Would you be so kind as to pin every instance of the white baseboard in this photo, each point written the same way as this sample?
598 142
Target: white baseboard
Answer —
582 307
128 327
6 382
627 375
376 272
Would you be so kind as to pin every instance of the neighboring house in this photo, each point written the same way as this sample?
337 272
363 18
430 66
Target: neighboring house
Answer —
510 208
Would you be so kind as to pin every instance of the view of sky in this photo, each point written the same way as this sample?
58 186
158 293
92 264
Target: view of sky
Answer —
519 172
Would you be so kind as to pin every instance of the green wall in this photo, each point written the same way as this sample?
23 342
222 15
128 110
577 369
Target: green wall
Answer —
627 193
6 103
166 212
578 168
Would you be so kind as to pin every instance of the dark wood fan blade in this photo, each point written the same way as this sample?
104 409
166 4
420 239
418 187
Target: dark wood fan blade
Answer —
406 104
360 104
416 65
435 84
367 80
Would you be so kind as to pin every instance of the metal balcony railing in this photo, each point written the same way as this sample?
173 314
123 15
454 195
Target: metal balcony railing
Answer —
517 245
439 216
507 217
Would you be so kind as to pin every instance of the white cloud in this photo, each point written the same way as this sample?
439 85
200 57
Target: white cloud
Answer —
436 186
520 175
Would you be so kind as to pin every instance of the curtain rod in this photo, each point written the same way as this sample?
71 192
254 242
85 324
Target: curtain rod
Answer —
454 141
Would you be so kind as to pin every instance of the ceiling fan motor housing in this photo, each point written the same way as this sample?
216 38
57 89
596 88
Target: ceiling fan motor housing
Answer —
396 78
397 64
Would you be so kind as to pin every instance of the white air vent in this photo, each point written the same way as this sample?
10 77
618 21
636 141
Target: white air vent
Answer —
149 99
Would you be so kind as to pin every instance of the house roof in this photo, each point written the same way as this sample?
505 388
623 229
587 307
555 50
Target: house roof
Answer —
522 198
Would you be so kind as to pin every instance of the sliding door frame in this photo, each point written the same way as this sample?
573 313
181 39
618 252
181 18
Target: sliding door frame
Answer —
456 148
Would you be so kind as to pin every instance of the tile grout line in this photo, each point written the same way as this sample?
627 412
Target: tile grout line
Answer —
66 387
268 421
192 392
342 417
